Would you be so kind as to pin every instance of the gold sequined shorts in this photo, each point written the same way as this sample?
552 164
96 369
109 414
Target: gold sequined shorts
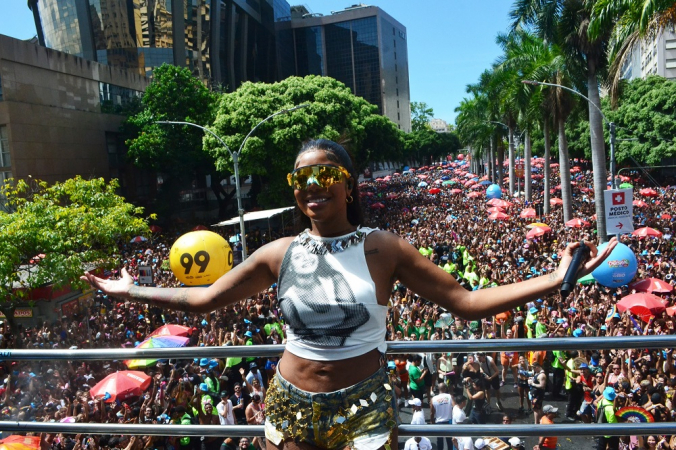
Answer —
361 416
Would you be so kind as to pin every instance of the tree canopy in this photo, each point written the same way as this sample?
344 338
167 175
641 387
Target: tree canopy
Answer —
49 234
333 112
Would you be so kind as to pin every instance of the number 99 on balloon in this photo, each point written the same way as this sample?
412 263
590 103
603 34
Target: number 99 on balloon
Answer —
200 257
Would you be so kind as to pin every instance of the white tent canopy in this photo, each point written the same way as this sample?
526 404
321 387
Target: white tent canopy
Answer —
255 215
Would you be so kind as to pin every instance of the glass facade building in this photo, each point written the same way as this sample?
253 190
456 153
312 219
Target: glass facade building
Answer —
364 48
223 42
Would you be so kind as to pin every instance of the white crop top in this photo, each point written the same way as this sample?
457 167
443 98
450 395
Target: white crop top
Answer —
328 298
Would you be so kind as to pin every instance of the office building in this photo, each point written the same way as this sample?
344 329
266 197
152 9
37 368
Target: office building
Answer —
653 56
439 125
57 117
223 42
363 47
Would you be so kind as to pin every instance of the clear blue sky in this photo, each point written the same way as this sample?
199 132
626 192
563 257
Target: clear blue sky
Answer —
450 42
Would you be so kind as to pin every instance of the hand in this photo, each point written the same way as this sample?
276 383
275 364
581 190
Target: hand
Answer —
595 258
110 287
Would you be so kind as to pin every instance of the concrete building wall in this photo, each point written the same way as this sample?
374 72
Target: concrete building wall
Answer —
51 111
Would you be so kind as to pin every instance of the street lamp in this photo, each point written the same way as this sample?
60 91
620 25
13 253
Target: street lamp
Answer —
235 162
611 125
601 223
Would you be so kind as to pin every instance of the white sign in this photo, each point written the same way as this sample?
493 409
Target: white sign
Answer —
145 275
619 211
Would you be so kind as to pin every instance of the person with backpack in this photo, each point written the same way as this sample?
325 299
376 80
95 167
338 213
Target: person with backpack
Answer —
605 413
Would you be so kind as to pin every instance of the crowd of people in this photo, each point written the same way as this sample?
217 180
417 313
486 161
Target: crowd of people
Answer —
449 227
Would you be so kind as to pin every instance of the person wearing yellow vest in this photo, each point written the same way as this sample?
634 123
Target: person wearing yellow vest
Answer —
571 388
558 368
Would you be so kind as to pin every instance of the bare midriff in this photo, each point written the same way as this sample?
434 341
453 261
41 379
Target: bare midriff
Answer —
328 376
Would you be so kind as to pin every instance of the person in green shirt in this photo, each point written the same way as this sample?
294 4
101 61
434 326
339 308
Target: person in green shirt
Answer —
426 251
416 378
605 413
450 268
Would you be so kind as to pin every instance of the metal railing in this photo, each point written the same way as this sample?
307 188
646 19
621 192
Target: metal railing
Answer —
399 347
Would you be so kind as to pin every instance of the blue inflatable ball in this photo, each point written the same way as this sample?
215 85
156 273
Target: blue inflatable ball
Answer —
618 269
494 191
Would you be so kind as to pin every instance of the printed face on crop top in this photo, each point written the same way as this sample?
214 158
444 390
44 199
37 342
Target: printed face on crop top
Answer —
303 262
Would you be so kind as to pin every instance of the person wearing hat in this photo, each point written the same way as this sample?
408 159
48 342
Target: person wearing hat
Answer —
253 373
584 383
418 416
515 443
224 409
605 413
547 443
479 444
538 383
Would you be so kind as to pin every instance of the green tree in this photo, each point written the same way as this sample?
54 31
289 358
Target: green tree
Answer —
333 113
646 123
52 233
175 151
425 146
421 114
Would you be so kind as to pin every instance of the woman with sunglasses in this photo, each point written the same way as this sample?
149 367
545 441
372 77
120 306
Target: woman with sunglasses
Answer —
331 388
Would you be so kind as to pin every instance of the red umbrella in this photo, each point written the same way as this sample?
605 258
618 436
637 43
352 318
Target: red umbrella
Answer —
456 191
434 191
474 194
537 232
377 206
556 201
639 203
172 330
665 217
652 285
498 216
155 229
199 228
647 192
391 195
647 231
577 223
494 209
642 304
528 213
499 203
671 311
120 386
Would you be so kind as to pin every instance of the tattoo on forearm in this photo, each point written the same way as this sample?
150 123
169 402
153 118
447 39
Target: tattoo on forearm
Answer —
371 252
552 276
173 298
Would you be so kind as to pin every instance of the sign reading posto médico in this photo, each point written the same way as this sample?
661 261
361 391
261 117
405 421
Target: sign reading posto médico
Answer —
619 211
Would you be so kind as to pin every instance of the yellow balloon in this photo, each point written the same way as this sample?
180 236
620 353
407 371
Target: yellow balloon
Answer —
200 257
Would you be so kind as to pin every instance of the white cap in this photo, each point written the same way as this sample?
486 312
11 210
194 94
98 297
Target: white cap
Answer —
514 441
416 402
479 443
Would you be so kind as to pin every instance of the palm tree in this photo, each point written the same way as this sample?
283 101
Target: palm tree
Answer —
534 59
565 23
631 21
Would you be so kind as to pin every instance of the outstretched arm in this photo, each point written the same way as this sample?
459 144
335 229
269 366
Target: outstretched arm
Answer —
258 272
432 283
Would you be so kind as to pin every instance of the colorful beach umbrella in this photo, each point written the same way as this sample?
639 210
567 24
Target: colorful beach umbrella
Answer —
171 330
642 304
156 342
16 442
528 213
